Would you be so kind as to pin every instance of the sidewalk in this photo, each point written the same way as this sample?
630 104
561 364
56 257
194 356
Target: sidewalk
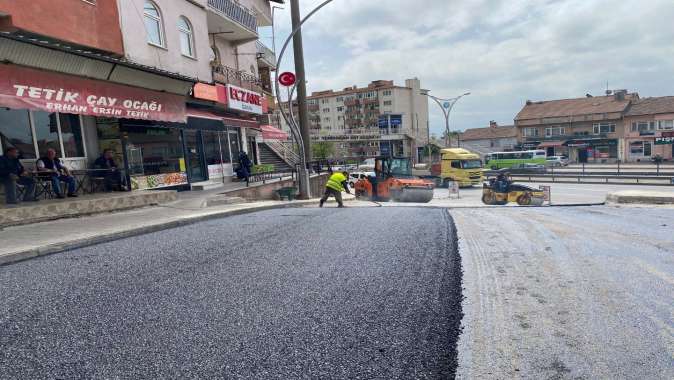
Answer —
38 239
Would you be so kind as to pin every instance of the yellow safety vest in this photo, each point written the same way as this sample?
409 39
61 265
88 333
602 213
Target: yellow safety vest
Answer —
335 182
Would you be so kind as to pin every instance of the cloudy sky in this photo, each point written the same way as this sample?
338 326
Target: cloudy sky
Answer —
503 52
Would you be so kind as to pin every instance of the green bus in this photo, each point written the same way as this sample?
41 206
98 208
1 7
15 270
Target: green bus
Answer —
500 160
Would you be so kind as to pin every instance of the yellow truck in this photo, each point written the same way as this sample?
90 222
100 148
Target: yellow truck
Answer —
459 165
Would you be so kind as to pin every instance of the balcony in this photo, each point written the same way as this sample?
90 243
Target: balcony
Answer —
227 75
265 57
231 21
351 102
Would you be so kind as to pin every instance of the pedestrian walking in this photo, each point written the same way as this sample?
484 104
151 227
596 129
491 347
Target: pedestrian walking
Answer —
337 183
245 166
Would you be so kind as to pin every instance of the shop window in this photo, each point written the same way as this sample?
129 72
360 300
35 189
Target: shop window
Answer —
388 102
637 148
153 24
186 37
71 134
155 156
665 125
15 132
599 128
46 133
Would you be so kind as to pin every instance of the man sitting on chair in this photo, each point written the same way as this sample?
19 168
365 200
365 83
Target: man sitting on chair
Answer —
59 173
13 173
113 177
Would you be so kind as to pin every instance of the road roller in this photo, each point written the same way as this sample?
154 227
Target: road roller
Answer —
393 181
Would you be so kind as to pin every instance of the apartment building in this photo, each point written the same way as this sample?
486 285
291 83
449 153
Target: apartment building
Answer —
177 88
379 119
588 129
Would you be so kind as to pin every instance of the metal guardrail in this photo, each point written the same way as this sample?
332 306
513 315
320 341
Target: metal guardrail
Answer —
228 75
595 178
235 12
286 153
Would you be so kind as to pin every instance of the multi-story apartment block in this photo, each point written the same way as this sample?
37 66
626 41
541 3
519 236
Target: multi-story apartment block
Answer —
588 129
176 88
380 119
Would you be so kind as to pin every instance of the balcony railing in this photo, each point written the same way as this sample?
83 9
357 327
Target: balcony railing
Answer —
235 12
266 55
228 75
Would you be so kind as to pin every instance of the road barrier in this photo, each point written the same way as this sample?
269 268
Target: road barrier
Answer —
596 178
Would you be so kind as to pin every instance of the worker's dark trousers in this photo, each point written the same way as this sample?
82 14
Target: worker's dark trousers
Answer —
332 192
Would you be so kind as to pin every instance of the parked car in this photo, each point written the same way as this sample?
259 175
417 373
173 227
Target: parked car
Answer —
355 176
556 161
528 169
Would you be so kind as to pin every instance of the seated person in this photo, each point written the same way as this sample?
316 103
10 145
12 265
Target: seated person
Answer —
13 173
113 177
59 173
502 184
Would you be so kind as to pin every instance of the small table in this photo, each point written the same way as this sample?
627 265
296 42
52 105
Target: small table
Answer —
84 175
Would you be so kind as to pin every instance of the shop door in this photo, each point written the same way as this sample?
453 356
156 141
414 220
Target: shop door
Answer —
648 149
195 156
252 150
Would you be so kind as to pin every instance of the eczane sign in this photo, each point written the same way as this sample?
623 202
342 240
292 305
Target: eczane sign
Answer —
241 99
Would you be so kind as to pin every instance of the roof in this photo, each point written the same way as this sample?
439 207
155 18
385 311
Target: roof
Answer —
650 106
574 107
489 133
373 86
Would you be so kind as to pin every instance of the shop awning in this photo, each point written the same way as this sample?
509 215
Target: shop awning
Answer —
272 133
226 120
546 144
22 87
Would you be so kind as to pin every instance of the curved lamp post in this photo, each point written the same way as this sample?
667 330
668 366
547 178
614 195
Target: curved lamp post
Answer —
303 174
446 105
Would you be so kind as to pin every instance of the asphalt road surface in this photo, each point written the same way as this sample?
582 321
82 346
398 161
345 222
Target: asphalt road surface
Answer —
299 293
567 293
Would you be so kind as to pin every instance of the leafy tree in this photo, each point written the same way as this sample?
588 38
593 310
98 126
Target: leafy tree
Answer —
322 150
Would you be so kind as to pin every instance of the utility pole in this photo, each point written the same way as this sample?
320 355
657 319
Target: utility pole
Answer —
446 105
298 51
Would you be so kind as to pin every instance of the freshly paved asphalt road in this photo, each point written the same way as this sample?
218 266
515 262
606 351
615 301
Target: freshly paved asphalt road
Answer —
296 293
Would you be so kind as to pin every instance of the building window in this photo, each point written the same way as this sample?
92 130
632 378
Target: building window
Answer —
71 135
387 92
15 132
339 118
186 37
46 130
554 131
530 132
643 126
665 125
324 101
153 24
340 99
599 128
326 110
340 109
388 102
641 148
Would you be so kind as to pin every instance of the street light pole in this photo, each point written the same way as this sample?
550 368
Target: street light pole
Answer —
446 105
298 51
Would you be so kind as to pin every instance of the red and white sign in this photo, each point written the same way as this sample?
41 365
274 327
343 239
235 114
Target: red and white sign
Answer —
22 87
241 99
287 79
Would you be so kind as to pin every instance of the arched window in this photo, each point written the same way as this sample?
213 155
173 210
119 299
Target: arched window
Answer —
153 24
186 37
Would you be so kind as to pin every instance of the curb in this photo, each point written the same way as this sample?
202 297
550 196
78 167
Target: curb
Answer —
18 256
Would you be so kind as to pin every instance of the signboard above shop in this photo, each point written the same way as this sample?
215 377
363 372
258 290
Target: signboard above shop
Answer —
241 99
666 139
24 88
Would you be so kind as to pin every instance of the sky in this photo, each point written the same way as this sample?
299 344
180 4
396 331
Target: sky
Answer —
503 52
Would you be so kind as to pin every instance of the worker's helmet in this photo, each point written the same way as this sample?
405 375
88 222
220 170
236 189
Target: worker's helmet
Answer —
346 174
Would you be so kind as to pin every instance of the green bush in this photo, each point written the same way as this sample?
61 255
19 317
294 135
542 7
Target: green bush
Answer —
261 169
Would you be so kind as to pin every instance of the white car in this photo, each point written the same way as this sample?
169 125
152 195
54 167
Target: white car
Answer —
355 176
556 161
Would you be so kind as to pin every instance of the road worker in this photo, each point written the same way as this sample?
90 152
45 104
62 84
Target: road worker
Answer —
337 183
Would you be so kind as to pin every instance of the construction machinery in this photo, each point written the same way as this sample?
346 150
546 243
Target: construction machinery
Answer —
501 190
393 180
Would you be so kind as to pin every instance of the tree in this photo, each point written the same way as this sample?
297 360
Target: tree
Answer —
322 150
